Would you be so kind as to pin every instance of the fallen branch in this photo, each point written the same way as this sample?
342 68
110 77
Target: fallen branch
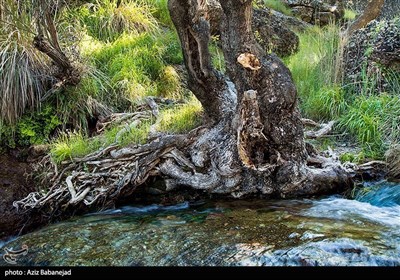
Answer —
324 130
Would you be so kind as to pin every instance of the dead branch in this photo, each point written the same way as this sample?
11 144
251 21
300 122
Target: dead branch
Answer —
324 130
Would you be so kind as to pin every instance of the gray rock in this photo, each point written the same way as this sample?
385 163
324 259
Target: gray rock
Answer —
371 53
273 30
391 8
319 12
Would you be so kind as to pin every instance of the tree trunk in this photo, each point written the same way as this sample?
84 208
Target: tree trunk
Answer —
256 143
371 12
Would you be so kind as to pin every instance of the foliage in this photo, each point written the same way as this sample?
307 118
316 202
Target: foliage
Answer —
33 128
313 69
72 145
136 65
217 56
352 157
22 67
349 14
374 121
160 11
371 118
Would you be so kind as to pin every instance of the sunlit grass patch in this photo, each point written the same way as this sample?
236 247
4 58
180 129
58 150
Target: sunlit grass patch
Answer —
181 118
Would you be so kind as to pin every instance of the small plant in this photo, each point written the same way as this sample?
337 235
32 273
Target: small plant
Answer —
34 127
349 14
328 103
351 157
218 60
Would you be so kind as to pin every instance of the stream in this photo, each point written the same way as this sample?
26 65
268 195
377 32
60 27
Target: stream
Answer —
328 231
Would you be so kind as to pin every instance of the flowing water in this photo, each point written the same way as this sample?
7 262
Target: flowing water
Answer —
326 231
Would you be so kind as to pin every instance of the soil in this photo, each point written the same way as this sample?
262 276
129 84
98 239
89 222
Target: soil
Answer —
14 185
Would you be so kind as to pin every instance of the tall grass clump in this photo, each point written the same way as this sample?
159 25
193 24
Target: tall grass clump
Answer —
72 145
374 121
76 145
22 67
313 69
107 19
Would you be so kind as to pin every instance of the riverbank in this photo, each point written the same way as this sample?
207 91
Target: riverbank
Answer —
15 184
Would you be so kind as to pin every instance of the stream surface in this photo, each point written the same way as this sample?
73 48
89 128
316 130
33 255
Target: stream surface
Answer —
329 231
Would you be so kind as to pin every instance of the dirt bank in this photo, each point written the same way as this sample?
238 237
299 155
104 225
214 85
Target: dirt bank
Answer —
14 184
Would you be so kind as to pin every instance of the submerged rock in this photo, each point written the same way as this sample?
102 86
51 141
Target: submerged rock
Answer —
393 160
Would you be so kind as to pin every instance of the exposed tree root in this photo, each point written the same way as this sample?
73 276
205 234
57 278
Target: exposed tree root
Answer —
202 159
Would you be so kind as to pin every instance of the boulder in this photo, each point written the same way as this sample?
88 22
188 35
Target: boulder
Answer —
390 9
373 52
393 160
272 29
319 12
273 34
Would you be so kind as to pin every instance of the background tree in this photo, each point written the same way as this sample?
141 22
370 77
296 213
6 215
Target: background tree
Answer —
371 12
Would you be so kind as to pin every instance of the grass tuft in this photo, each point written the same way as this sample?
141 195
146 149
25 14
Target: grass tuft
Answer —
181 119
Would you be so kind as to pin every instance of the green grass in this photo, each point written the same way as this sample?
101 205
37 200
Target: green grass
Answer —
21 64
105 20
76 145
371 118
137 66
73 145
374 121
277 5
313 69
160 11
182 118
217 56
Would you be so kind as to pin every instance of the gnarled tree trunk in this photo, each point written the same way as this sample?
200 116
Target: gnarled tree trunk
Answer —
256 142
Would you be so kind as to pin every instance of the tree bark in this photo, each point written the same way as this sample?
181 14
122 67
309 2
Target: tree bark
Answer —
371 12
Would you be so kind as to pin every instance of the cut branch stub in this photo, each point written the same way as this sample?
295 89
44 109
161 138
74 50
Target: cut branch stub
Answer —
249 61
